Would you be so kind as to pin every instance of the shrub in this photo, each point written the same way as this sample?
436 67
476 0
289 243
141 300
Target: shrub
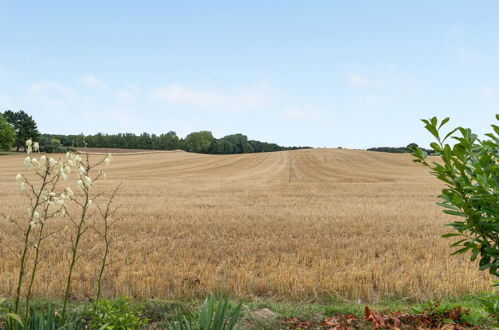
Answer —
470 170
119 314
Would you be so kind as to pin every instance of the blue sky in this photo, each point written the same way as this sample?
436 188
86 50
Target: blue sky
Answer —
321 73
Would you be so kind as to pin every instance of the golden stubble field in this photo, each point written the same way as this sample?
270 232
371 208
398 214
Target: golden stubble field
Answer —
287 225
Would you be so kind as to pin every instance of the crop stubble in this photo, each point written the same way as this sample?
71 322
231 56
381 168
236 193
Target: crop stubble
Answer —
290 225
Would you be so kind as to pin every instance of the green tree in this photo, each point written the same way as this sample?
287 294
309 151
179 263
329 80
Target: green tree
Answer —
7 134
24 125
199 141
470 170
412 146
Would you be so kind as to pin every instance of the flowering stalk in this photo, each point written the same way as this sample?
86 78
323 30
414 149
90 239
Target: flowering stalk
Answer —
105 214
84 184
52 199
33 213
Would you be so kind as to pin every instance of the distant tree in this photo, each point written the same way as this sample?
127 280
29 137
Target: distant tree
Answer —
56 144
199 142
24 125
412 146
240 143
222 147
7 134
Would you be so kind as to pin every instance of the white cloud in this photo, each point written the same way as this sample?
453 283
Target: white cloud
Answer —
51 87
358 80
179 95
94 82
124 96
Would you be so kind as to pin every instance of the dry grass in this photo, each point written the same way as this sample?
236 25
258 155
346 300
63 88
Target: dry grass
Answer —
291 225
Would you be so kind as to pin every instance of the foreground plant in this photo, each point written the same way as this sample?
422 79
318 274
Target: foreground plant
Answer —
470 170
119 314
48 199
87 175
215 314
45 203
10 318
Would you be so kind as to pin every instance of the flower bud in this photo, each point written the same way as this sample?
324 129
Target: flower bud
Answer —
19 177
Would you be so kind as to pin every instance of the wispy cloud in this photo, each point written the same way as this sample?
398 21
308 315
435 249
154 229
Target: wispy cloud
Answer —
94 82
124 96
179 95
51 87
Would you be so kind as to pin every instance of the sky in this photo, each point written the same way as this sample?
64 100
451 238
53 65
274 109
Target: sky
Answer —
355 74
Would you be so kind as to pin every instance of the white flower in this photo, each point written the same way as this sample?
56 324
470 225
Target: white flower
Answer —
107 161
35 163
89 203
19 177
27 161
28 150
32 224
67 169
29 142
82 170
80 185
87 181
43 158
35 215
52 162
36 146
69 191
22 186
70 163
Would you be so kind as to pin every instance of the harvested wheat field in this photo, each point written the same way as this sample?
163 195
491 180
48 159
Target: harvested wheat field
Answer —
288 225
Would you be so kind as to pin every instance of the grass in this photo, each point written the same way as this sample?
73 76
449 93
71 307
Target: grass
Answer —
159 312
290 226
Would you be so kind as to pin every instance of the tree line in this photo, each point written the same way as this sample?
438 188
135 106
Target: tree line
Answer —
19 126
400 150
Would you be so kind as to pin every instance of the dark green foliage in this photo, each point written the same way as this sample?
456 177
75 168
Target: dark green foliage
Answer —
7 134
199 142
24 125
470 170
399 150
202 142
118 314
